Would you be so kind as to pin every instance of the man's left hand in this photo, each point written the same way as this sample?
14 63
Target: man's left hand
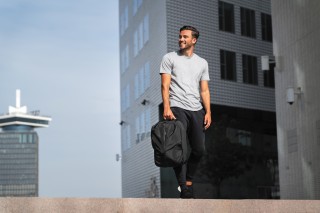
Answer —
207 120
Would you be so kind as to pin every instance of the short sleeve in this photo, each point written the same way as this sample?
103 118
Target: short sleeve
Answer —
205 73
166 65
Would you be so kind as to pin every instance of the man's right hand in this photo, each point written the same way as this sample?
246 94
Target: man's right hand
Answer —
168 115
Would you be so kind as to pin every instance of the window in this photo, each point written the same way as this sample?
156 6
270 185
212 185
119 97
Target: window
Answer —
136 86
143 125
125 98
141 35
244 137
124 20
268 76
136 5
228 65
137 129
148 122
135 43
250 70
126 143
147 75
239 136
142 80
226 17
248 23
266 27
145 29
124 59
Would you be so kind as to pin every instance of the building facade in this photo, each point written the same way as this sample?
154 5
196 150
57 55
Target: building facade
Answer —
297 52
233 37
19 152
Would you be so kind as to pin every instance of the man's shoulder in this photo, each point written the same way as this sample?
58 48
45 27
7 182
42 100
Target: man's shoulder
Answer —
200 58
171 54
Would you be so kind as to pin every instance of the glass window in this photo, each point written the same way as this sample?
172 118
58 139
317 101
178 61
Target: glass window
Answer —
124 21
268 76
266 27
126 17
148 122
135 43
122 63
250 70
140 36
24 138
31 138
126 144
248 23
137 129
142 126
127 96
141 81
136 5
123 104
145 29
136 86
127 57
228 65
226 17
147 75
124 59
123 138
128 138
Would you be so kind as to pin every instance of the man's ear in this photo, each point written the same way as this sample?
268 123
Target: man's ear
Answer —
194 40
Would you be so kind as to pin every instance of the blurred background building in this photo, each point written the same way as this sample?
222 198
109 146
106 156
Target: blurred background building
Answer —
296 44
19 151
241 159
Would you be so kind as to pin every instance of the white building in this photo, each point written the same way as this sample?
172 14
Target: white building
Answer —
296 26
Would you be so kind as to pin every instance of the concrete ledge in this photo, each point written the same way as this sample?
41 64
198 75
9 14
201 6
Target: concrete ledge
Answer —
96 205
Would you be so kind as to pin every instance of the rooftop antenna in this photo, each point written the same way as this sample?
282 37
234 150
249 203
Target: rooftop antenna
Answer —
18 108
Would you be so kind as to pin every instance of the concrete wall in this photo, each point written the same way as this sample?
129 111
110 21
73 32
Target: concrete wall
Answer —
296 33
83 205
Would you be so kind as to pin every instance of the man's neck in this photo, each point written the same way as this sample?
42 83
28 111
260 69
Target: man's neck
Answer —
187 52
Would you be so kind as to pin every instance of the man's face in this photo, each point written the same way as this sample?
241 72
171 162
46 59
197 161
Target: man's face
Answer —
186 40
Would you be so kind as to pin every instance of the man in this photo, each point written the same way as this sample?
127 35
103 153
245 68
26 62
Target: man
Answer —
184 83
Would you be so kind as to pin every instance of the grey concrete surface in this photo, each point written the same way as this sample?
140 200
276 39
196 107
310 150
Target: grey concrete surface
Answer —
146 205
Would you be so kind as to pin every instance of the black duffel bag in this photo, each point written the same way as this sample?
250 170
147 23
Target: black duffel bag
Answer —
169 141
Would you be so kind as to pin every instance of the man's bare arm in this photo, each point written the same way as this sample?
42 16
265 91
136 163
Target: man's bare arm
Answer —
165 85
205 96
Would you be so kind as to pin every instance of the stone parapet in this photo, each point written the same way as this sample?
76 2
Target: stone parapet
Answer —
120 205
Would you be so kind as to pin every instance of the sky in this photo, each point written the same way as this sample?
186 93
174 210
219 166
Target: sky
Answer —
63 55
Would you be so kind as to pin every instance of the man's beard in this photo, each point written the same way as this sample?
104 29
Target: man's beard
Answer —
185 48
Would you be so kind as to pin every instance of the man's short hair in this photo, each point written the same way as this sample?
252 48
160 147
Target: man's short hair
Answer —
195 32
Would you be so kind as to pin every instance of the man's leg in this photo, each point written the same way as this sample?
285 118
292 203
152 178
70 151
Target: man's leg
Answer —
197 143
181 171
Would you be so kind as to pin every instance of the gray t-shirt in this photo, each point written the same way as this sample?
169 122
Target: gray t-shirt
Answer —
186 74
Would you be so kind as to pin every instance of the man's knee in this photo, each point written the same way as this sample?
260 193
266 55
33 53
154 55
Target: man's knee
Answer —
198 153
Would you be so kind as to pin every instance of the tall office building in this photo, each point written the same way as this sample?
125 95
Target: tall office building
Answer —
19 164
297 54
241 159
